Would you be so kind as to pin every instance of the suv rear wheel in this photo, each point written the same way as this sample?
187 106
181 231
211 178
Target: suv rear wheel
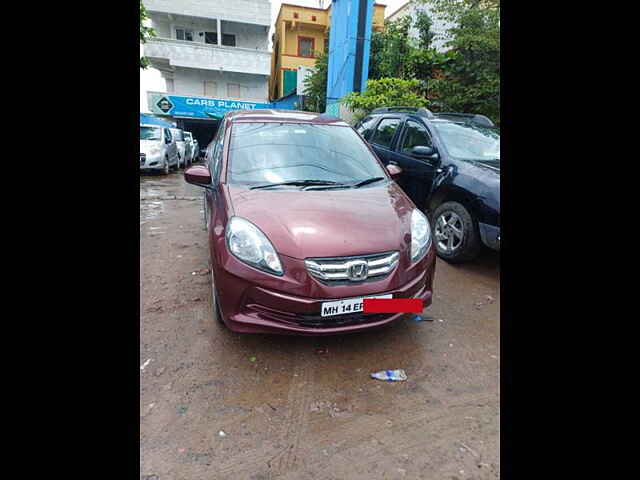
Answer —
455 233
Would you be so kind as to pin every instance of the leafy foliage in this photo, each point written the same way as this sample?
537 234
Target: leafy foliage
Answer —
145 33
316 85
470 82
386 92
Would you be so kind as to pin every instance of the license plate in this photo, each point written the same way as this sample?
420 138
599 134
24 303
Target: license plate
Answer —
350 305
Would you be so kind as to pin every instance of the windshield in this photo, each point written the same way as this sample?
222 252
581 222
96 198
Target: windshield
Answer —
150 133
263 153
469 142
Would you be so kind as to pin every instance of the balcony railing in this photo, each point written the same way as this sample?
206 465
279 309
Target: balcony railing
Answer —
209 57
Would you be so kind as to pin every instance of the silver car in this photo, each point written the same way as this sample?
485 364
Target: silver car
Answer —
158 149
178 134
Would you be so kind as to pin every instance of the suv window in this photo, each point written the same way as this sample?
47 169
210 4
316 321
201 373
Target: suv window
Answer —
365 127
415 135
385 132
167 135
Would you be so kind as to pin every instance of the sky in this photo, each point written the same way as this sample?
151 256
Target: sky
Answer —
151 80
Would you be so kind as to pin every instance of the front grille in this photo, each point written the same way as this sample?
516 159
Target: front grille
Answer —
335 271
317 320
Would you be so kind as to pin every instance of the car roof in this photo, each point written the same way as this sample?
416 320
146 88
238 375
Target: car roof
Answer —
284 116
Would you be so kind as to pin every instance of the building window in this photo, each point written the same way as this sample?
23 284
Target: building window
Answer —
228 40
306 46
210 89
233 90
295 15
313 18
184 34
211 37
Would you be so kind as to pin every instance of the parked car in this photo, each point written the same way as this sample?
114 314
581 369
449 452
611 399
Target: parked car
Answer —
304 223
158 149
450 169
178 133
189 148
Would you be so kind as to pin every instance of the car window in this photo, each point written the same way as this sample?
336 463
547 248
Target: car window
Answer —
469 142
150 133
385 132
178 134
263 153
167 135
365 127
416 135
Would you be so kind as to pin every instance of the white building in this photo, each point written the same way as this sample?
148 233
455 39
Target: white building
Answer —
439 25
209 49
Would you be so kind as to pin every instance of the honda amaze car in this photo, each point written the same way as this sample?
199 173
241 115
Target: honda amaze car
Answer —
304 223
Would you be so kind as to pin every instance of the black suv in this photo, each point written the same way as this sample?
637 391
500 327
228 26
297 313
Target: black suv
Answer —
450 169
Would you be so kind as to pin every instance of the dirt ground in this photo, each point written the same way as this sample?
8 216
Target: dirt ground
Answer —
218 405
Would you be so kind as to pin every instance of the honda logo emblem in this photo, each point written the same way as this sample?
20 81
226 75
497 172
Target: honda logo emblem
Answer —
357 270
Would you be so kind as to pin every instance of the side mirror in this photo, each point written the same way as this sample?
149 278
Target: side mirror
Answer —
394 170
198 175
423 152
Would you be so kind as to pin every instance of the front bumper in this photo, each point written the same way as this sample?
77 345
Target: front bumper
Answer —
250 308
151 162
490 235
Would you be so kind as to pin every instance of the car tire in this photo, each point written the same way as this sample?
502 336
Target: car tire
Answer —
455 233
167 167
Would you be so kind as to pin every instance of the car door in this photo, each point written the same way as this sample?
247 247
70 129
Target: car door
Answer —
381 139
418 173
172 149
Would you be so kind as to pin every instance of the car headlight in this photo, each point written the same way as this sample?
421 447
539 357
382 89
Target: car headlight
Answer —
248 244
420 235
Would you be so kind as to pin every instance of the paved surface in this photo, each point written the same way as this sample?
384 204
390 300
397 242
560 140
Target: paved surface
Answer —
289 412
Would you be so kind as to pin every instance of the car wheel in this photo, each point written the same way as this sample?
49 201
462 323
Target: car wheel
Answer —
167 168
455 233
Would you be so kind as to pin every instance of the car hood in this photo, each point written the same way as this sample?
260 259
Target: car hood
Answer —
328 223
148 145
488 165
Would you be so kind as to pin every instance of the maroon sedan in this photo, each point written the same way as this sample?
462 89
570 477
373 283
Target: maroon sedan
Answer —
304 223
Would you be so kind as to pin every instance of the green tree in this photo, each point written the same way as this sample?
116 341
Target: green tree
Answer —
385 92
316 85
389 50
470 82
145 33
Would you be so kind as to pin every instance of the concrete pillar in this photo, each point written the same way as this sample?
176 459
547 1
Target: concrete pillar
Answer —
219 27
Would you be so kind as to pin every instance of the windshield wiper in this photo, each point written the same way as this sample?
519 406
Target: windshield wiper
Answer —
368 181
301 183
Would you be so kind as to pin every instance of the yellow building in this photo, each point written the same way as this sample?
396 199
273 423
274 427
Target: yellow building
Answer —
301 34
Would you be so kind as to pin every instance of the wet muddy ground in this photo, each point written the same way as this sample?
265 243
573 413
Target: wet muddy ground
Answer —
218 405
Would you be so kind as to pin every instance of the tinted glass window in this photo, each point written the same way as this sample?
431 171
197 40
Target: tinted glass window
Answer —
228 40
216 157
469 142
365 127
416 135
262 153
167 135
385 131
211 37
150 133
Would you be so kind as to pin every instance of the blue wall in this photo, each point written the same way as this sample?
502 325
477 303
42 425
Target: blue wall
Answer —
345 16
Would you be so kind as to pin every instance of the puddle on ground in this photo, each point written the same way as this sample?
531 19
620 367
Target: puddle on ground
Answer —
150 210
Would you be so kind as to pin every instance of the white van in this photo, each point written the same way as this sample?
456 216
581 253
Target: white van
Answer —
158 149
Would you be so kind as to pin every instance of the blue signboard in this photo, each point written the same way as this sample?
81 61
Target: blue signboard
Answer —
197 107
